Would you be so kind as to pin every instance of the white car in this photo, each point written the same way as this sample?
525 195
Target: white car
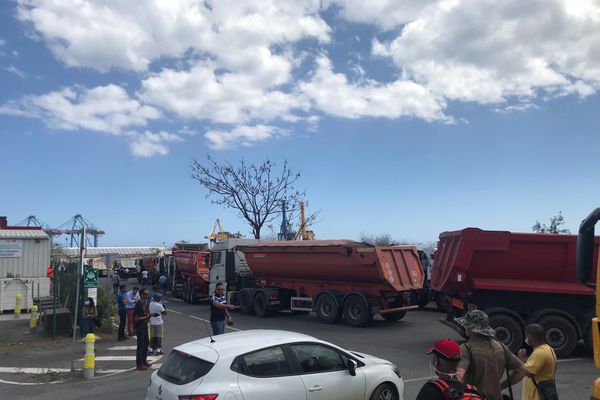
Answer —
272 364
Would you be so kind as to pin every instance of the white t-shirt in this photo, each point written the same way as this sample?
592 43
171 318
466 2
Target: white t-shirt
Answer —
156 308
144 274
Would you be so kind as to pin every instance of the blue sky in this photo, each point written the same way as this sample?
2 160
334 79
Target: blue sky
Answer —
405 117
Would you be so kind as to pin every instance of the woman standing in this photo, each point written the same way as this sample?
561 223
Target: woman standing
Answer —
90 314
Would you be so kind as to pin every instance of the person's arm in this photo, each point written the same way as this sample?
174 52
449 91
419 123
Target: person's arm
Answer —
465 361
140 313
222 306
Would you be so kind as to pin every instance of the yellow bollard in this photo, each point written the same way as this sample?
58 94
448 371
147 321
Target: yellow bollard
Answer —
89 358
18 304
33 320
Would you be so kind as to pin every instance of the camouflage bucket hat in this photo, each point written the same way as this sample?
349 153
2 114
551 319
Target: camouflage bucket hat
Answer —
478 322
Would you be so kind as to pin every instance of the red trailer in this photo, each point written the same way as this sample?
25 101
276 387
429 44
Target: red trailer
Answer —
189 278
335 278
516 278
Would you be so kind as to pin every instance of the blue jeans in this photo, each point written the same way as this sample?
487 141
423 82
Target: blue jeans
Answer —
218 327
89 326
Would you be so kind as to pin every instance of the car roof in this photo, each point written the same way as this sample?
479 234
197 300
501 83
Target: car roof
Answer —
241 342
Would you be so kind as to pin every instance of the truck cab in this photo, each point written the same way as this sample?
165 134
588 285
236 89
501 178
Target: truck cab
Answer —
229 266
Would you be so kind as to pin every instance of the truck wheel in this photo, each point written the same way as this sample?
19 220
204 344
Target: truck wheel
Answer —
508 331
260 305
328 308
193 294
184 290
442 301
393 317
246 302
560 334
356 310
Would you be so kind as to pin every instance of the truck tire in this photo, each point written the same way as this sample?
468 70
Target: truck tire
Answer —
508 331
442 301
185 292
393 317
246 302
560 334
356 310
193 299
261 308
328 308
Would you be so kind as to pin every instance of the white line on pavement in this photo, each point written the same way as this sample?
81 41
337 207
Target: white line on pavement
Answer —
123 348
173 311
121 358
29 383
205 320
424 378
570 359
24 370
174 299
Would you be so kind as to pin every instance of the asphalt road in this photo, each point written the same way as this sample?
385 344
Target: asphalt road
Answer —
403 342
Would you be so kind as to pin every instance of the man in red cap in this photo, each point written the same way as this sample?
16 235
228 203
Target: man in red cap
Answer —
446 356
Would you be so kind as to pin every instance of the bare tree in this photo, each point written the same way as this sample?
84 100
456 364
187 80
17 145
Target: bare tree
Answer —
255 190
379 240
554 227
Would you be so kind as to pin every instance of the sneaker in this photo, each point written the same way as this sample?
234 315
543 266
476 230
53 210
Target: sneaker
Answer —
142 368
147 365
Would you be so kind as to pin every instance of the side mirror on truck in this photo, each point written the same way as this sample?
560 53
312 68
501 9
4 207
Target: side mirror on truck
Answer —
585 247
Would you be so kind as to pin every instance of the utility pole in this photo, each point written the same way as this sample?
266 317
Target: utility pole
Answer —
79 274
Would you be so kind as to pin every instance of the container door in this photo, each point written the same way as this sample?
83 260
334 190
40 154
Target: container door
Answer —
401 267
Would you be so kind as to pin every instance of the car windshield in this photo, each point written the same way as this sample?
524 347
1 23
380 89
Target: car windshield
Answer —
181 368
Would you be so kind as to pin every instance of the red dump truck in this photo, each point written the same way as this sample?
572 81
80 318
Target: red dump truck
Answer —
335 278
516 278
189 275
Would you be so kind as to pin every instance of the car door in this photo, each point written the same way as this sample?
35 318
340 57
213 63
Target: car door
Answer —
266 373
325 373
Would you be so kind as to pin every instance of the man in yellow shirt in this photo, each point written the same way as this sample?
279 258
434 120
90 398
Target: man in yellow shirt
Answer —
541 364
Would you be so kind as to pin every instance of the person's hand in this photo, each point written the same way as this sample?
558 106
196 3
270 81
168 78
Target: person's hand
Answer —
522 354
230 306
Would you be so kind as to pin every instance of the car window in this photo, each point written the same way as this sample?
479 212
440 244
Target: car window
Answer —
181 368
267 362
318 358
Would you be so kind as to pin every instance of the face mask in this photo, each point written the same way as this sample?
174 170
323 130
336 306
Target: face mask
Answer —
435 371
87 303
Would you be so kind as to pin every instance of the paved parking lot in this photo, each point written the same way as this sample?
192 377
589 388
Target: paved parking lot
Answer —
403 343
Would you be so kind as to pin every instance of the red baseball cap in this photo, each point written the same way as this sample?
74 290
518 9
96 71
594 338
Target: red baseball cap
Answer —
448 349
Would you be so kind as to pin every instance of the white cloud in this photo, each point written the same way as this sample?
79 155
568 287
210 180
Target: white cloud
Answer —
103 108
241 135
148 144
386 14
488 51
333 94
202 93
131 35
14 70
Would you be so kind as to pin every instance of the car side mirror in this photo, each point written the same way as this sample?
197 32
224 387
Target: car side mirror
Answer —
351 365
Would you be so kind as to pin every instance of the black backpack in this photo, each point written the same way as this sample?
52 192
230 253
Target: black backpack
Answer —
470 392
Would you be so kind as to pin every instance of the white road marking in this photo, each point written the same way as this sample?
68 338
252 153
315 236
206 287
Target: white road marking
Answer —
117 348
29 383
173 311
424 378
570 359
205 320
25 370
175 299
121 358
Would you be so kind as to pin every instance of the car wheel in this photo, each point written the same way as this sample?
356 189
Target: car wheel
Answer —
328 308
356 310
393 317
385 391
560 334
260 305
508 331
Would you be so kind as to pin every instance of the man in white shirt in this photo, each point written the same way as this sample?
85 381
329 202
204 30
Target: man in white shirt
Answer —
156 324
144 278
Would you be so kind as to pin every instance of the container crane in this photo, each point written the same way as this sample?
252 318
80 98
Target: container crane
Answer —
218 236
303 233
